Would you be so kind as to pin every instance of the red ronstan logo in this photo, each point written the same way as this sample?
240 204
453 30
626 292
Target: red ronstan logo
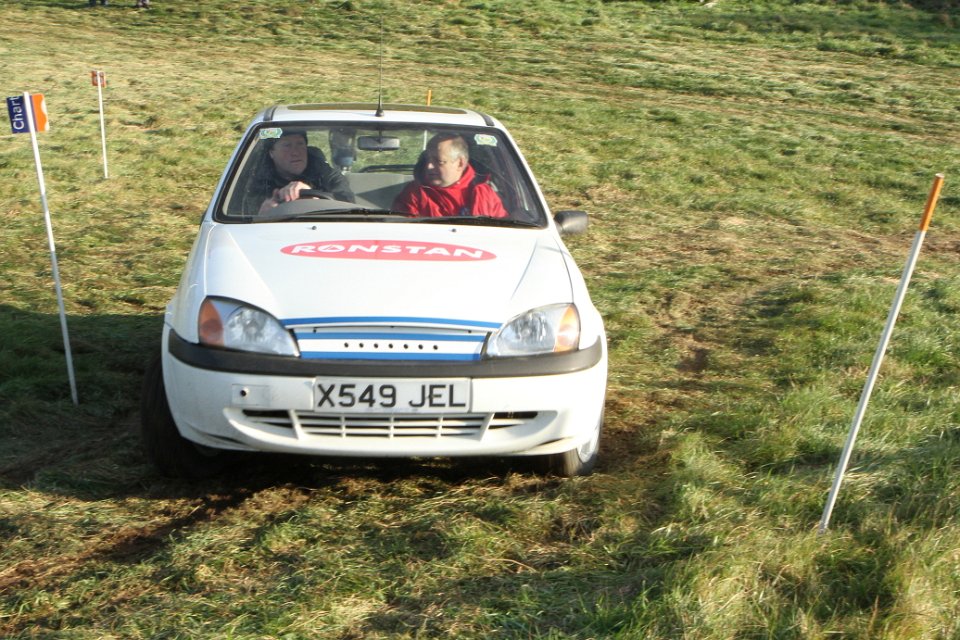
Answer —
388 250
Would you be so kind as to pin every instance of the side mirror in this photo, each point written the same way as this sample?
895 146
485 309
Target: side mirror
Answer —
378 143
571 222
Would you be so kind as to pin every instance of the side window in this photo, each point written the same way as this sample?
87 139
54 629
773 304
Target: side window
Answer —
489 156
238 200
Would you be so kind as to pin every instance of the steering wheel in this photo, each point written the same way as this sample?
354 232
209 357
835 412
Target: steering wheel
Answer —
316 193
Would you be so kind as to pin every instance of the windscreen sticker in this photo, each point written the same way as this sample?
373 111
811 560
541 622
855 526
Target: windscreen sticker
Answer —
388 250
485 140
272 132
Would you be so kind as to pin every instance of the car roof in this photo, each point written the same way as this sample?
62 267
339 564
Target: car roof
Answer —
368 112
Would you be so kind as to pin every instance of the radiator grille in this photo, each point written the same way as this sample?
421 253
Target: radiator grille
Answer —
385 426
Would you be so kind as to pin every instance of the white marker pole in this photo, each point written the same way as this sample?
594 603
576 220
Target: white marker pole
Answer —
881 350
53 251
101 80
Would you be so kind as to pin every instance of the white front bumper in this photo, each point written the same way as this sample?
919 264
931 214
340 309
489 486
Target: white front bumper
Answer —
508 416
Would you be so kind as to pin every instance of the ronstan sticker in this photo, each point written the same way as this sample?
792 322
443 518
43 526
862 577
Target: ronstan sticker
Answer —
388 250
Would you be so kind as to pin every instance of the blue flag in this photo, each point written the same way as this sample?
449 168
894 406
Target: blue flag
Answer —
18 114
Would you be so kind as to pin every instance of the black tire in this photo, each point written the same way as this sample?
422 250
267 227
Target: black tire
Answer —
173 455
576 462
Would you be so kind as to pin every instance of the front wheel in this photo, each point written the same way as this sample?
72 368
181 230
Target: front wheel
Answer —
173 455
576 462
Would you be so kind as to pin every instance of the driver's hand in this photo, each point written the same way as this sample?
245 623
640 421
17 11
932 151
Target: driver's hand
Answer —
286 193
290 192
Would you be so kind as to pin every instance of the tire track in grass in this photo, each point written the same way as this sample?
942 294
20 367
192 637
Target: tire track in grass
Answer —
266 493
129 544
125 544
52 451
271 494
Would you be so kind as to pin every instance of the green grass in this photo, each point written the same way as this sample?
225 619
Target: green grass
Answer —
754 172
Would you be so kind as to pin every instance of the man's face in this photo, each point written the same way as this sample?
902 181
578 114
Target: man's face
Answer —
289 154
442 168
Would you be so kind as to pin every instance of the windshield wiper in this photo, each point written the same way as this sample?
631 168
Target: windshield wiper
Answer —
480 221
355 213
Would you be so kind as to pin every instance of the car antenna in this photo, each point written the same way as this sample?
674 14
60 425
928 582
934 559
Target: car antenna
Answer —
379 112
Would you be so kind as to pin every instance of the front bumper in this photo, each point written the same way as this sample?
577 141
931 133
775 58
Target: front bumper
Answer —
254 402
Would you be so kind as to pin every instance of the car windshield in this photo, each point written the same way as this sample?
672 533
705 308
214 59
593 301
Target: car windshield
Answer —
400 173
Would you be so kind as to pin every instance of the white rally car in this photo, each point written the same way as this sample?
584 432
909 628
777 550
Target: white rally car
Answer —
347 322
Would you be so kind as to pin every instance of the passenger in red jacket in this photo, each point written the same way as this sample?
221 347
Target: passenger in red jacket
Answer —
448 185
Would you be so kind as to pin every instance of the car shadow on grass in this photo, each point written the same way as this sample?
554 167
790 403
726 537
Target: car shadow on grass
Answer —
88 460
92 449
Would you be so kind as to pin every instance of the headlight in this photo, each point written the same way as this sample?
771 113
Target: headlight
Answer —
549 329
233 325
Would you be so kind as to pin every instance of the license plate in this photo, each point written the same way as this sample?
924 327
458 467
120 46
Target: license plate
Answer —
391 395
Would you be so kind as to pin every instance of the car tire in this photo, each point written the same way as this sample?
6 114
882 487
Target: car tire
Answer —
576 462
173 455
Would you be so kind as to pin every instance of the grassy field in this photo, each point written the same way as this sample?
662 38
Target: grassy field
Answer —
754 171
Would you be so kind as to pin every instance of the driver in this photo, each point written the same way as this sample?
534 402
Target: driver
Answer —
290 167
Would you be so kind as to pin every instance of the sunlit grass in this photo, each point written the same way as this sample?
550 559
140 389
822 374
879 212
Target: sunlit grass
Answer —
754 174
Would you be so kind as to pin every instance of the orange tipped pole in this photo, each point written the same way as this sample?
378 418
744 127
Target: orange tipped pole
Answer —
429 96
881 350
36 107
931 202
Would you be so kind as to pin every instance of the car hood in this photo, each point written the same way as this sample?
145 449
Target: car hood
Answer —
429 272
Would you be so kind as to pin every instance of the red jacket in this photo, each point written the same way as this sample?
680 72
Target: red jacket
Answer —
468 196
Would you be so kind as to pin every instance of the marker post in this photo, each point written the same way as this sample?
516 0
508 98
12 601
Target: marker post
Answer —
31 125
99 78
881 350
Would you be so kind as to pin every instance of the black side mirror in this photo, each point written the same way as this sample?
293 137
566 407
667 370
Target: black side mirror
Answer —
571 222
